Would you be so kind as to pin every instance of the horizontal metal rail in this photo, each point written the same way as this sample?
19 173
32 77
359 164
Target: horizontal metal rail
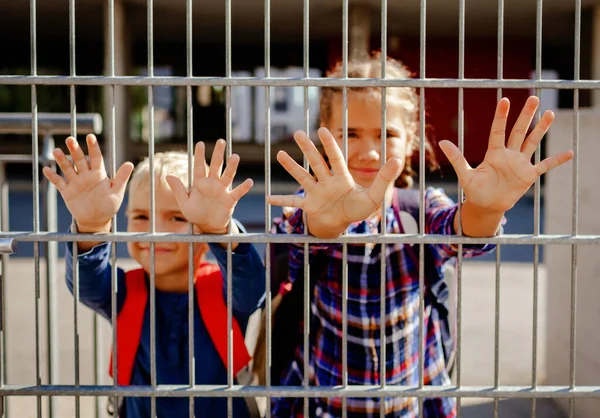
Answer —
297 82
54 123
366 391
8 246
514 239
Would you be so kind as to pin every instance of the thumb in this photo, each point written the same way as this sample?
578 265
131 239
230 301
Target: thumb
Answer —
460 165
386 176
122 176
178 188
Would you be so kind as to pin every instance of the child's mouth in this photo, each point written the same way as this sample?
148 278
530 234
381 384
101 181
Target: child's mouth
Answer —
157 250
365 172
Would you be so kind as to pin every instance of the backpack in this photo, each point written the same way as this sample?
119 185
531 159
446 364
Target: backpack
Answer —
287 311
213 311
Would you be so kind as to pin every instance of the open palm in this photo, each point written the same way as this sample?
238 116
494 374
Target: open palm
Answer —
333 198
210 204
506 172
91 197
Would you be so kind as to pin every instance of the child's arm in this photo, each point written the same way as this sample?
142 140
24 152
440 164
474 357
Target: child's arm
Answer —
506 172
333 200
440 216
91 197
247 275
209 204
95 278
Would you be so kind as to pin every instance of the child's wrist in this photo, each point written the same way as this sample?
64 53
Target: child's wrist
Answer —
482 211
217 231
93 228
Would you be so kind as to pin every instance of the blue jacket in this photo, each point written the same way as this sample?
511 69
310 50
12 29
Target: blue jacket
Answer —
248 279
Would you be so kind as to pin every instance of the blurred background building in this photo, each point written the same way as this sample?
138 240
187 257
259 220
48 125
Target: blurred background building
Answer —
442 49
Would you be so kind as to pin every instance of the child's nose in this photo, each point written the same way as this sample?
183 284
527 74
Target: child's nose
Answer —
370 150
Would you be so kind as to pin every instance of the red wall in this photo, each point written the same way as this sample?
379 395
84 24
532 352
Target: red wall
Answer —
442 103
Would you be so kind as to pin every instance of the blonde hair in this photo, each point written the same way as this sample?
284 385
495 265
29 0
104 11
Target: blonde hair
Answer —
165 163
405 97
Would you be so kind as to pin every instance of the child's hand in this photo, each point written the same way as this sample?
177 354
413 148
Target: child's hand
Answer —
333 200
91 197
209 205
506 172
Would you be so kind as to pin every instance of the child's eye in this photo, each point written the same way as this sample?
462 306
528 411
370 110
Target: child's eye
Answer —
140 218
178 219
391 134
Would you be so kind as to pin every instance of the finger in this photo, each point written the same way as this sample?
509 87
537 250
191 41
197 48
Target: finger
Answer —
241 190
314 157
216 161
534 139
181 194
96 159
455 157
230 170
77 155
199 161
517 135
64 164
55 179
296 170
292 201
333 151
498 131
552 162
384 179
122 176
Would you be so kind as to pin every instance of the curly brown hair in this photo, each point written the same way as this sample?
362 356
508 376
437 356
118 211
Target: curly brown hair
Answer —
406 97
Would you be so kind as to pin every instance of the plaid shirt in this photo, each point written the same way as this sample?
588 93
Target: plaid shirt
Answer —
363 336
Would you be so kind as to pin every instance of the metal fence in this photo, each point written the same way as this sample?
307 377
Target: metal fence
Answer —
422 82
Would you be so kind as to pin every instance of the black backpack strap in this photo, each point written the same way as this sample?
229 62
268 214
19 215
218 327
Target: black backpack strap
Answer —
287 334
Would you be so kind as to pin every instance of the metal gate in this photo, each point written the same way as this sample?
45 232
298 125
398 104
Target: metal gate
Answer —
38 236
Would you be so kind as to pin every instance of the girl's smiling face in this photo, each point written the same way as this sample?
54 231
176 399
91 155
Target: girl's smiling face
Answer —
364 133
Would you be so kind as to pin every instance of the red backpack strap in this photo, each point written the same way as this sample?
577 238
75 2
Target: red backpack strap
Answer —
213 308
129 325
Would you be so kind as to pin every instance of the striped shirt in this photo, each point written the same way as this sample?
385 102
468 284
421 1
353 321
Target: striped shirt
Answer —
363 319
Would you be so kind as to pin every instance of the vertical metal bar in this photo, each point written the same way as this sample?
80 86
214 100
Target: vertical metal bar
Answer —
190 148
268 261
422 67
36 194
345 246
112 170
152 209
72 62
575 219
461 140
383 266
228 129
4 271
307 286
96 356
50 209
500 72
536 215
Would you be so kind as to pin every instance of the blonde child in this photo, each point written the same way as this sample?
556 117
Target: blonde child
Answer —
93 199
346 197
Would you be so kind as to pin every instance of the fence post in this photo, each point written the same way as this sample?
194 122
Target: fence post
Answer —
51 219
3 270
